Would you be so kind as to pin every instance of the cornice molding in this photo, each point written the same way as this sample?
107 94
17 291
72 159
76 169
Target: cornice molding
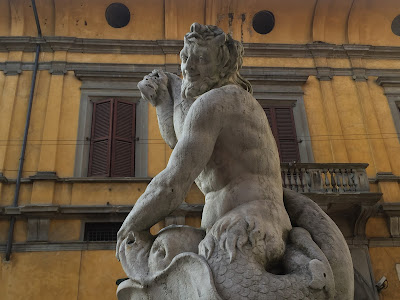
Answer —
3 179
160 47
256 75
389 81
384 242
81 245
63 246
392 212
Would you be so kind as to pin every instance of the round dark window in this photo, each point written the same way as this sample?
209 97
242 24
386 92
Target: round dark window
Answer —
263 22
396 25
118 15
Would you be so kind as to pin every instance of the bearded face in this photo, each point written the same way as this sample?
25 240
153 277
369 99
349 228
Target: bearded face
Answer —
200 69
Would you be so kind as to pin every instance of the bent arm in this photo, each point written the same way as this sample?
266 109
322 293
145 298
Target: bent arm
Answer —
165 109
162 90
190 156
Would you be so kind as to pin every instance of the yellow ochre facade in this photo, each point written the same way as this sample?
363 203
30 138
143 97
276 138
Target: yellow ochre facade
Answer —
337 62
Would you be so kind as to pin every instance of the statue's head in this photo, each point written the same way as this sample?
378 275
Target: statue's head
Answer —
210 59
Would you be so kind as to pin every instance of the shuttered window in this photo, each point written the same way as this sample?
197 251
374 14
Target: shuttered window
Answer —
112 143
283 128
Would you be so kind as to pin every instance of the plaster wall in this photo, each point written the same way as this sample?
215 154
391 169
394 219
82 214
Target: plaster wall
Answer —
60 275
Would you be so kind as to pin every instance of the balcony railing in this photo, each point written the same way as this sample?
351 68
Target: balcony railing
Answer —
325 178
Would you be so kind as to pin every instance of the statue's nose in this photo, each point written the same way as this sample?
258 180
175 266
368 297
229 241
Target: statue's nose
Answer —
190 64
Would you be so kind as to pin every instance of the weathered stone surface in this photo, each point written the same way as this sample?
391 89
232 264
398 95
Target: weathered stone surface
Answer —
222 141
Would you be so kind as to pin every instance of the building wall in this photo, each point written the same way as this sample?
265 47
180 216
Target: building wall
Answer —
345 48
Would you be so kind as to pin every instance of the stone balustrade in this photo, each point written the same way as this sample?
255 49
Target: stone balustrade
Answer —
325 178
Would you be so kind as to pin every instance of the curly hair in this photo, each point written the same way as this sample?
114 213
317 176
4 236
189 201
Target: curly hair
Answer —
230 52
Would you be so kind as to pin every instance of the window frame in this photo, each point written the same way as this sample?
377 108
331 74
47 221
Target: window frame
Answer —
98 91
394 105
290 96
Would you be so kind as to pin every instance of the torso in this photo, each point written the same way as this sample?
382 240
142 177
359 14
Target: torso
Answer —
245 164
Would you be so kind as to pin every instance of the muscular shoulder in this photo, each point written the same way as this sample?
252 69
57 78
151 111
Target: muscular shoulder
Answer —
223 99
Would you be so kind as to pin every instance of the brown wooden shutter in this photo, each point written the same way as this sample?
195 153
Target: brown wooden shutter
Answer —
283 128
100 142
123 142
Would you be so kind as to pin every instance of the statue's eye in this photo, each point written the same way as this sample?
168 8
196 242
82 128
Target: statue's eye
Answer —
184 58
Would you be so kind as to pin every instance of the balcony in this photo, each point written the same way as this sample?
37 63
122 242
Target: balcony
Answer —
341 190
325 178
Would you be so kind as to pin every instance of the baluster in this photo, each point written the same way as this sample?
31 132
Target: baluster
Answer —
339 180
317 180
345 181
297 179
352 183
292 180
306 181
356 180
333 180
287 183
325 180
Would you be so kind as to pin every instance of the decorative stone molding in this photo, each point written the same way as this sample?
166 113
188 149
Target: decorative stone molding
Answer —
31 210
170 46
12 68
80 245
273 75
392 212
359 74
44 176
324 73
384 242
386 177
63 246
321 49
160 47
3 179
356 51
388 81
38 230
391 87
83 179
365 212
58 68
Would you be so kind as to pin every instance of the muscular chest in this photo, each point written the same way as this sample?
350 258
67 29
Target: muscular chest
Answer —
180 112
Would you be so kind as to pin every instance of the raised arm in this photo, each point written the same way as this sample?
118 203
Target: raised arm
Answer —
162 90
169 188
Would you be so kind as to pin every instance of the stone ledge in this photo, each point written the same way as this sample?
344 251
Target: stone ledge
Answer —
388 81
63 246
81 245
257 75
67 211
161 47
387 177
44 176
384 242
3 179
77 179
392 212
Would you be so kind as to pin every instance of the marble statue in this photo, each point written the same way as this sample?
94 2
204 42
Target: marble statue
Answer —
257 240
